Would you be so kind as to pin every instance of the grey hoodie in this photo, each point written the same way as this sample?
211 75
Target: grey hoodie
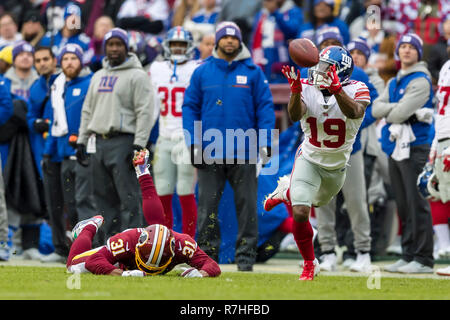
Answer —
243 54
19 86
416 95
119 99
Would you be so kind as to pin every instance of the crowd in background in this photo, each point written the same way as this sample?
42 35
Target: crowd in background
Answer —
267 26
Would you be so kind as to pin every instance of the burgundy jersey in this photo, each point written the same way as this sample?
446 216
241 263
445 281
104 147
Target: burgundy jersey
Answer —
119 252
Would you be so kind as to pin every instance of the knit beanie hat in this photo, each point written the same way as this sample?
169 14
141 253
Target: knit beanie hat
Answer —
361 45
116 33
412 39
228 28
71 48
19 47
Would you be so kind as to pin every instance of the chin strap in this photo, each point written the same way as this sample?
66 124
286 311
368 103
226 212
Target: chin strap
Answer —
174 76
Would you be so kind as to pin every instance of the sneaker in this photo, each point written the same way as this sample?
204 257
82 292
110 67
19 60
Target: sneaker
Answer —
396 247
4 251
32 254
394 267
140 162
310 269
97 221
443 271
363 263
415 267
288 244
348 262
444 253
53 257
329 262
278 195
245 267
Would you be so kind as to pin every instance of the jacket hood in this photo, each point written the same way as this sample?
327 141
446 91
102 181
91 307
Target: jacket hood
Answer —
420 66
11 74
131 62
242 55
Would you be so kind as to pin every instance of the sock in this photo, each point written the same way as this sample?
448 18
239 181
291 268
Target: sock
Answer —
189 214
286 225
151 204
82 243
440 212
303 235
168 213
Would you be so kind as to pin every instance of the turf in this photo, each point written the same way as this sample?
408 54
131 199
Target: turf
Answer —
31 283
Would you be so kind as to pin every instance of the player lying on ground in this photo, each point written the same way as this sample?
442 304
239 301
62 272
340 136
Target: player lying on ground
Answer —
330 108
140 251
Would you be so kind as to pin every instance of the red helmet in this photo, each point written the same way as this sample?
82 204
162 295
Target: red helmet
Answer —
155 249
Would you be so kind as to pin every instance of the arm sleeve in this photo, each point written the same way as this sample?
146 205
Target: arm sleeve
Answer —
381 106
143 108
416 95
202 261
99 264
192 106
86 113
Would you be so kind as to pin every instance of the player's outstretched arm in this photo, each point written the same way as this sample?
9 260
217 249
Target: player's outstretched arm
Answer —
350 108
296 107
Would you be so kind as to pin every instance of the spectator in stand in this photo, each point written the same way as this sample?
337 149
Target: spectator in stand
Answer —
321 16
406 140
67 95
274 25
206 46
39 117
32 29
149 17
22 75
5 59
184 10
116 120
8 30
71 32
95 52
385 61
53 15
426 25
439 54
236 84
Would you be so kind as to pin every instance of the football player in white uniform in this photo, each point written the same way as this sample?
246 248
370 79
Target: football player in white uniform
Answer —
330 109
440 157
172 167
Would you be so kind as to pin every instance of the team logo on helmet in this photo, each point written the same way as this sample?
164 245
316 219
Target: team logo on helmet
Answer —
428 183
155 249
178 34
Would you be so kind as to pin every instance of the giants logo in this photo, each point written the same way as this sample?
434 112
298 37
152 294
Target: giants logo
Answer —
107 84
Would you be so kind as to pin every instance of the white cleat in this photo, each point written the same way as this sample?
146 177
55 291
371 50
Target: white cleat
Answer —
96 221
279 194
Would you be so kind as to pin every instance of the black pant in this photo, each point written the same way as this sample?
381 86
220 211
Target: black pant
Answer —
211 183
413 209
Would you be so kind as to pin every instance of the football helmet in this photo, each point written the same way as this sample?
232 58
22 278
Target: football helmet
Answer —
178 34
336 55
428 183
155 249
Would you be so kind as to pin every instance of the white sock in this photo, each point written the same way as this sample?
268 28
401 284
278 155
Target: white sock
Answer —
442 235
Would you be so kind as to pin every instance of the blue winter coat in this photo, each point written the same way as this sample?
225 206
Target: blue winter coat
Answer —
225 96
74 95
59 42
6 111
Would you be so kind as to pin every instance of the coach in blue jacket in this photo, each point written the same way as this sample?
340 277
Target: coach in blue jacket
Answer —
228 116
67 96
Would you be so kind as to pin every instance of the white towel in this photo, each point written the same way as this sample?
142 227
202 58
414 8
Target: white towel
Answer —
59 125
403 136
425 115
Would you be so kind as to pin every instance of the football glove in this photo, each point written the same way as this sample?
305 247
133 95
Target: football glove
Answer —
191 273
140 162
41 125
133 273
293 78
335 85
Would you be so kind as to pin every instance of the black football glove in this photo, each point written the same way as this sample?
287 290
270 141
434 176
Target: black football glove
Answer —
82 156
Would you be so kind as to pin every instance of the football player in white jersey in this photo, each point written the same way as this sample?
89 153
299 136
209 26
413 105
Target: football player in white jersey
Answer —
440 157
330 109
172 167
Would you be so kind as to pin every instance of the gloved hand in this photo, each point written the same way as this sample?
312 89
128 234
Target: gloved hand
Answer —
197 157
82 156
41 125
335 85
133 273
265 153
191 273
45 164
73 138
446 159
140 162
293 78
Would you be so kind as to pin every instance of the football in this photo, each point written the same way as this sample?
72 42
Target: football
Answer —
304 52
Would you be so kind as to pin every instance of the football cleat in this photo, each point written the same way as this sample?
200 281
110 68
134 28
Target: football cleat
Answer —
278 195
96 221
140 162
310 269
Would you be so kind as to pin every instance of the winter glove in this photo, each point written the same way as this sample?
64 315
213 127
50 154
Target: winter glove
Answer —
82 156
45 164
293 78
197 157
133 273
265 153
73 138
191 273
41 125
335 85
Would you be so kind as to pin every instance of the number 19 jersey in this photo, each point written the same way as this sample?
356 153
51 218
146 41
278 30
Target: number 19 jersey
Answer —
329 134
170 83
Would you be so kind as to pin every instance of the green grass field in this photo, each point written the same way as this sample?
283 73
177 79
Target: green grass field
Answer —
42 283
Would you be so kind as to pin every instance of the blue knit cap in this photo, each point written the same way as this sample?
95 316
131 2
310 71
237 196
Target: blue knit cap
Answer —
70 9
329 33
21 46
361 45
71 48
228 28
412 39
116 33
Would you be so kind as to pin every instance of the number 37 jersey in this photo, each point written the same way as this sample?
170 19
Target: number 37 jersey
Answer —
329 134
170 83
